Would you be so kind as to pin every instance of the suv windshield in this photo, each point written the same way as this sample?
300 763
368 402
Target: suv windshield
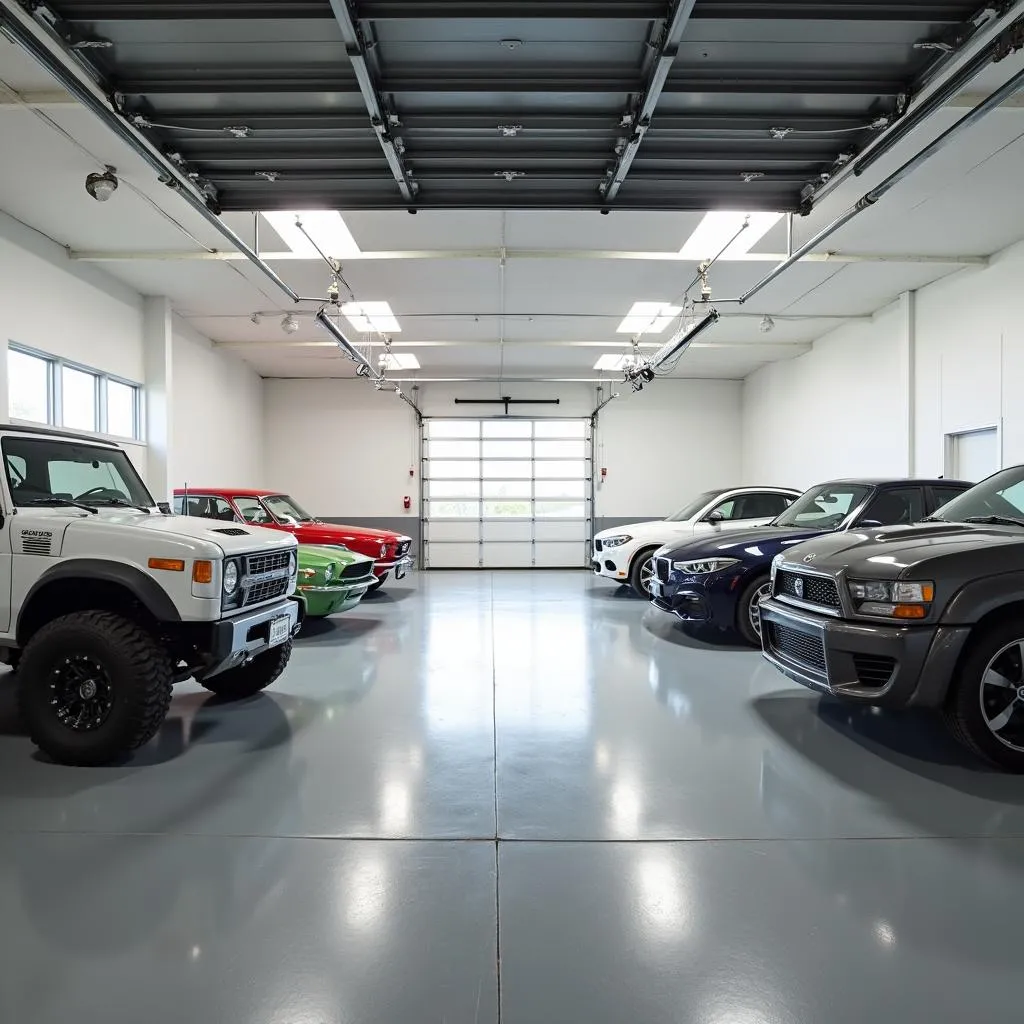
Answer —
284 510
823 507
42 471
694 507
1001 495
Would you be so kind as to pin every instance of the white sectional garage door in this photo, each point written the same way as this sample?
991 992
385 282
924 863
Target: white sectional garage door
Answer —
506 493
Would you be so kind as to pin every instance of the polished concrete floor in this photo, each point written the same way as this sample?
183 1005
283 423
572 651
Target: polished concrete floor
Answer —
513 796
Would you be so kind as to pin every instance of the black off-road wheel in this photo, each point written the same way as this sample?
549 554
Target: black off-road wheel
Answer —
93 687
748 610
247 680
641 572
985 706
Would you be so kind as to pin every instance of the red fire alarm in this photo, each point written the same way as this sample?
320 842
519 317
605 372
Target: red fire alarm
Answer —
604 472
407 502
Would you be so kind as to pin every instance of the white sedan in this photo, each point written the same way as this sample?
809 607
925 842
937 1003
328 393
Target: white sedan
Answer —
624 553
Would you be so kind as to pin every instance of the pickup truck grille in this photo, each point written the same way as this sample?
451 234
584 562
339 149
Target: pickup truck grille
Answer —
256 590
260 592
356 570
805 648
811 589
257 565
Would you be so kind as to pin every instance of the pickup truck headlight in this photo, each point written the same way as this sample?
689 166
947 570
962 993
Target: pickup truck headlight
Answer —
617 541
892 599
704 566
292 564
230 578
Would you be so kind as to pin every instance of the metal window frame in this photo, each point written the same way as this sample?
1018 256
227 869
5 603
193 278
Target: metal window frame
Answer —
55 393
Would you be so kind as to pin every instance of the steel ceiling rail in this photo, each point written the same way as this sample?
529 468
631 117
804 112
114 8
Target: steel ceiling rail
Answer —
640 115
51 54
871 197
355 47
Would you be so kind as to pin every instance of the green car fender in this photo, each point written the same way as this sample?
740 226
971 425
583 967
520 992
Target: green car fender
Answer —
332 580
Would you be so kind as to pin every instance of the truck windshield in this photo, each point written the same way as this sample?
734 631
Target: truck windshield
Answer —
284 510
1001 495
40 470
823 507
694 507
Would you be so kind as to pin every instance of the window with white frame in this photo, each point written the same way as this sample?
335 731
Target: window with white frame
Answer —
45 389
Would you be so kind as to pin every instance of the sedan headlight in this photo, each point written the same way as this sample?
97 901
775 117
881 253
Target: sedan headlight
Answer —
704 566
329 573
892 599
617 541
230 578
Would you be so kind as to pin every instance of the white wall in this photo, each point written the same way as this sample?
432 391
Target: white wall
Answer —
217 431
878 397
66 309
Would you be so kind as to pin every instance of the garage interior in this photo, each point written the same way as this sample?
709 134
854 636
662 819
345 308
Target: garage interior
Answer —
359 251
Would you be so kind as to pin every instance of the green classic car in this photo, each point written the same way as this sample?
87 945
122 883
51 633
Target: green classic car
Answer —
332 579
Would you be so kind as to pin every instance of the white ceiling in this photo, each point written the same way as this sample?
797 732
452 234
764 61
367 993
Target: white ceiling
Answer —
965 202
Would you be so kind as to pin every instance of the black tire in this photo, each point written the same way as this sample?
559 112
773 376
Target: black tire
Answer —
970 700
751 596
130 672
247 680
636 571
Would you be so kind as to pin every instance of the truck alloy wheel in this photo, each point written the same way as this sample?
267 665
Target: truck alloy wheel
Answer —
986 705
92 687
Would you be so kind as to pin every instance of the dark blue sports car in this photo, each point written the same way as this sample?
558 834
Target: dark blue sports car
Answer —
721 579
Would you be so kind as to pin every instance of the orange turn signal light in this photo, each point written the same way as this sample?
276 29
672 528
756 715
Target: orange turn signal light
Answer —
170 564
202 571
909 611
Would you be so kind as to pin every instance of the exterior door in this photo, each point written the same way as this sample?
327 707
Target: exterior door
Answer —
506 493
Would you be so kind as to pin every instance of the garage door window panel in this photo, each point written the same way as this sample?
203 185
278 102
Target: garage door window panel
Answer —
453 509
518 449
576 469
508 470
453 489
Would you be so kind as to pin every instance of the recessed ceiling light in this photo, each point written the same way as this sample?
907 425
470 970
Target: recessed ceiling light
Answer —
613 361
325 227
371 316
648 318
399 361
715 230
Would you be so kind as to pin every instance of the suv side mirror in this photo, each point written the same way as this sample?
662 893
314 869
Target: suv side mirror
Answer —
714 517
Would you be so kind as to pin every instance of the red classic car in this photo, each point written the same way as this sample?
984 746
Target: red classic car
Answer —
279 512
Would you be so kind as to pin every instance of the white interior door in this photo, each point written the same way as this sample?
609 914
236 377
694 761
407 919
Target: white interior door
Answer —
973 454
506 493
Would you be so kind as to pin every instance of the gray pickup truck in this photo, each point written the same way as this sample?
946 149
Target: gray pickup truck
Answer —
930 615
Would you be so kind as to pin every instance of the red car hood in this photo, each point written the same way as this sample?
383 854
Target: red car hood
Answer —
356 537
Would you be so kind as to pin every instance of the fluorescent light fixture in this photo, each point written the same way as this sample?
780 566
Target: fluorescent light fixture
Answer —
398 361
648 318
371 316
613 361
325 227
715 230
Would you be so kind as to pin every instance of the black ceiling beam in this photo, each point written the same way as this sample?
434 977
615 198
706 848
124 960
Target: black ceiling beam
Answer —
642 111
380 119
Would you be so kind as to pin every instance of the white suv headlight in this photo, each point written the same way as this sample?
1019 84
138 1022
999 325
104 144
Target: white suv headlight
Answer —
616 541
704 566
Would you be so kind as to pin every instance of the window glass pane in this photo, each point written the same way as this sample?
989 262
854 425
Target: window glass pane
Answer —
453 509
559 428
507 489
453 428
179 504
507 428
515 470
574 470
252 511
560 449
469 470
560 489
78 399
453 449
453 489
897 506
561 510
120 409
207 507
508 509
29 387
507 449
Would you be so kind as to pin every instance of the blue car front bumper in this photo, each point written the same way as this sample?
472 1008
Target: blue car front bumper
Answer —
709 599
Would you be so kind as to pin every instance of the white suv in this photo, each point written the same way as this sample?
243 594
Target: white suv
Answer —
107 599
624 553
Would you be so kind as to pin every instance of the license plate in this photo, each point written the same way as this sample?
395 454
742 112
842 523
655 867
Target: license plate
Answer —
280 628
655 586
399 572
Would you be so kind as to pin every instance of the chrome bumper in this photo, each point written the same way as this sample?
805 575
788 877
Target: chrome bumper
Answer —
406 561
241 638
363 584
